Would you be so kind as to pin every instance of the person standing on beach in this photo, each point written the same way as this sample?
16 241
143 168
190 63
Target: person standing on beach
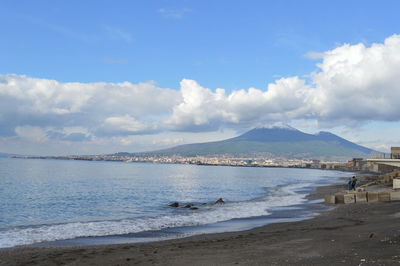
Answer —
353 183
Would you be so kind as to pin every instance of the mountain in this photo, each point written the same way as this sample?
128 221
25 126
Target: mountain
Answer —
281 141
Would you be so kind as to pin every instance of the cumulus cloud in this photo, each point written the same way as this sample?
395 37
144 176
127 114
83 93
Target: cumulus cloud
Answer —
359 83
42 96
68 137
126 125
202 109
43 103
353 84
43 134
31 133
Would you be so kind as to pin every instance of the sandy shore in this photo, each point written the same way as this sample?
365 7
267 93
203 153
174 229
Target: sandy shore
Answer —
357 234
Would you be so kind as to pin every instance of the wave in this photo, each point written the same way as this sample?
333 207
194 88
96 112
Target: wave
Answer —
276 197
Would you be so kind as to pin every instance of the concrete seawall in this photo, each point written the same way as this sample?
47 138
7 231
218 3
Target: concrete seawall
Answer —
362 197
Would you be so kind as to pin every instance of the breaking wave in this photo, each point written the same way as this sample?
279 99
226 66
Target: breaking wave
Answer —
275 197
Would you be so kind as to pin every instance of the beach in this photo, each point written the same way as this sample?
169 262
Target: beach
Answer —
353 234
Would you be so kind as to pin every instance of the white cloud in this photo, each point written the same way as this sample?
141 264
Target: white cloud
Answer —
203 109
44 96
127 141
126 125
31 133
359 83
38 134
49 103
354 84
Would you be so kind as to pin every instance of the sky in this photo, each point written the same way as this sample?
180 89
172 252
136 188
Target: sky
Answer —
96 77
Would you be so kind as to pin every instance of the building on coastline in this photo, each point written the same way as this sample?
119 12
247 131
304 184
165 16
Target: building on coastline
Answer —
395 153
385 164
358 164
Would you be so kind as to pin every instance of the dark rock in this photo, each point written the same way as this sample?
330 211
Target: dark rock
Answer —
220 201
174 205
194 208
188 205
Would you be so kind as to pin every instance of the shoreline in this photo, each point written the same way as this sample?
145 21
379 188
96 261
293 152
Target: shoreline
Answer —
307 207
295 166
354 234
291 213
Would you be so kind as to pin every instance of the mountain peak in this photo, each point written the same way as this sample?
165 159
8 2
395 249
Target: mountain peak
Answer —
278 132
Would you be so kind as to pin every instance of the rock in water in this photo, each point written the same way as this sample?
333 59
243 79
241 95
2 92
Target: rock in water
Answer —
220 201
174 205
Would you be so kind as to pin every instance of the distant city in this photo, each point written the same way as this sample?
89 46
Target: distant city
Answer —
224 160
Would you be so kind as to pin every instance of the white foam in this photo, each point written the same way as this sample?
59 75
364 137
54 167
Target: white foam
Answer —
283 196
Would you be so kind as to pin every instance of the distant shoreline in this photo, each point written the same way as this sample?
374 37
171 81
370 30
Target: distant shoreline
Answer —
306 164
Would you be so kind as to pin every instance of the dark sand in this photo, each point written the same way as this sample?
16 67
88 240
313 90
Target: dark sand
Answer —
355 234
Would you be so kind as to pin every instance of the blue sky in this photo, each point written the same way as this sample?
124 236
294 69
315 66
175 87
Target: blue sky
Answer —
229 44
235 45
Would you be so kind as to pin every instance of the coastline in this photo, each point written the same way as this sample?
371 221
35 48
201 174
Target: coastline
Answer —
299 164
354 234
291 213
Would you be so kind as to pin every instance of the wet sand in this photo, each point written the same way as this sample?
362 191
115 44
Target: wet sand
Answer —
354 234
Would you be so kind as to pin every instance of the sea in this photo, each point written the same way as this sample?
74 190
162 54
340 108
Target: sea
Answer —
70 203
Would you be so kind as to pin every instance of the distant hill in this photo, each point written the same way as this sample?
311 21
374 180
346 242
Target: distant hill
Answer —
282 141
6 155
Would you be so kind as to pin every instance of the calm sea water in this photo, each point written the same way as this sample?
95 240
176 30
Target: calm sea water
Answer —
52 200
